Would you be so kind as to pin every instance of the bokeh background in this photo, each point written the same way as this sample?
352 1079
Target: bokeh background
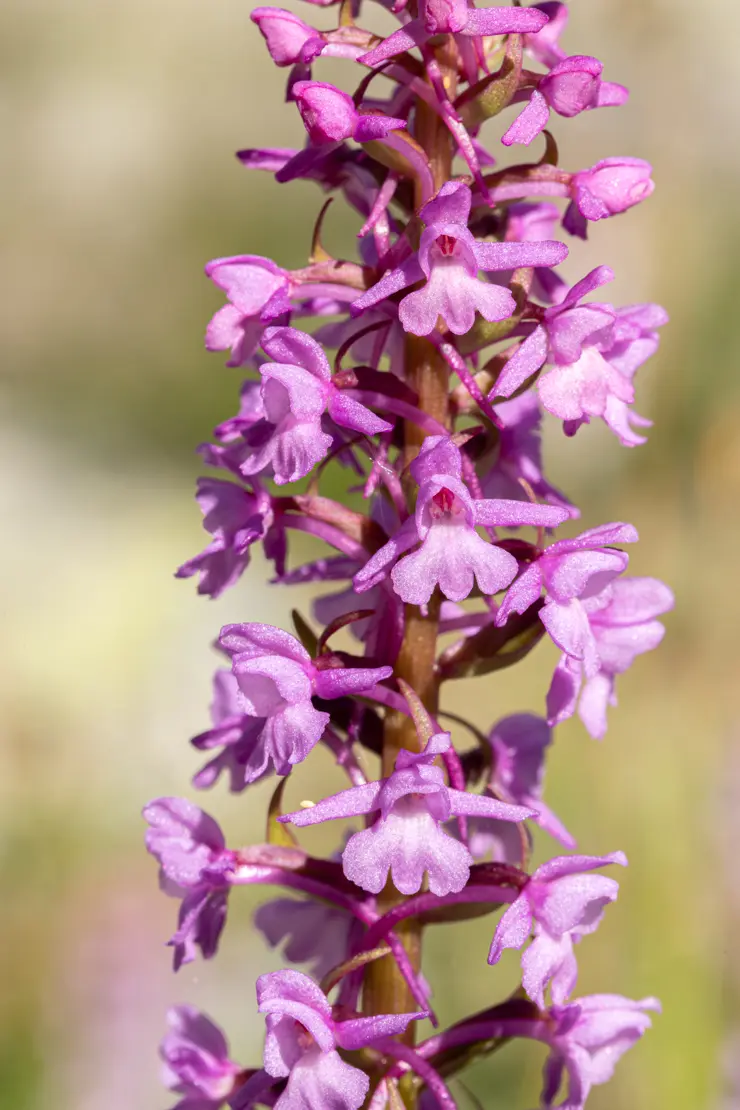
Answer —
118 184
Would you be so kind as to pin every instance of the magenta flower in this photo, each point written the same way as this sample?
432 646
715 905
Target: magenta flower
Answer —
382 630
607 189
302 1041
314 932
408 839
518 747
194 865
588 1038
297 390
246 756
571 572
289 40
622 624
572 86
440 17
448 261
596 352
276 680
329 115
196 1064
519 744
544 46
258 291
236 518
519 456
531 223
451 553
562 903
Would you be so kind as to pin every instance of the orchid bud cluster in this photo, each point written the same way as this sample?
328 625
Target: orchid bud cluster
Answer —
423 379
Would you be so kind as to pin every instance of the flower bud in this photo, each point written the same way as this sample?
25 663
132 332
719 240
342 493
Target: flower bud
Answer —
328 113
612 186
287 36
572 85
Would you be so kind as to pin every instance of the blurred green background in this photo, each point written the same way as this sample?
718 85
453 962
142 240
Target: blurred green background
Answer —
119 122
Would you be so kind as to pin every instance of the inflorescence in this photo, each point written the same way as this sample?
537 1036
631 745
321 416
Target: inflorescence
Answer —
451 333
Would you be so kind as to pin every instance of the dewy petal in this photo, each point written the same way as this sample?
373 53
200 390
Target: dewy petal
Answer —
611 95
635 601
561 866
268 682
582 388
349 413
249 281
187 1023
464 802
621 421
562 696
451 205
582 573
312 931
598 693
574 902
572 86
452 556
292 733
408 842
510 256
619 646
522 593
335 682
323 1081
594 279
519 743
291 1000
405 274
329 114
359 1032
292 390
455 295
347 803
529 123
375 125
510 514
569 628
504 21
513 928
292 986
437 456
286 35
201 921
296 348
545 958
527 359
255 639
377 568
601 536
182 838
405 38
569 330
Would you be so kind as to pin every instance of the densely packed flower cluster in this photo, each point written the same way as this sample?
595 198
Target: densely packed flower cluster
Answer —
424 375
